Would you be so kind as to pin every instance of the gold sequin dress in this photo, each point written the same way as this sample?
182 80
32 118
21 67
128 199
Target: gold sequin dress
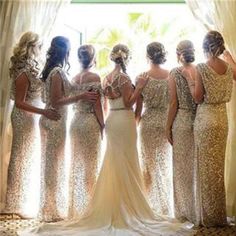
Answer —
85 150
24 142
156 152
184 164
53 137
210 131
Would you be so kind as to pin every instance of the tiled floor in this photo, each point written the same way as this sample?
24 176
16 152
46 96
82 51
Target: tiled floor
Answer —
9 227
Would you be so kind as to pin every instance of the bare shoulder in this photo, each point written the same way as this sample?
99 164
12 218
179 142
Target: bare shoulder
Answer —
22 77
124 76
95 77
91 77
166 74
75 79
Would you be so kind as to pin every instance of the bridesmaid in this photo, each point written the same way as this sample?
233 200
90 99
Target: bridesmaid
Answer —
25 91
182 110
86 130
211 87
155 149
53 134
230 177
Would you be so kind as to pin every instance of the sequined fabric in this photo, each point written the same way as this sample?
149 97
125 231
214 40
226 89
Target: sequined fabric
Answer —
155 149
184 164
210 131
85 151
118 206
53 136
23 144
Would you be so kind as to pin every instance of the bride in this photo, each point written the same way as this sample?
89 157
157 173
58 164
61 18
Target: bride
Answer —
118 206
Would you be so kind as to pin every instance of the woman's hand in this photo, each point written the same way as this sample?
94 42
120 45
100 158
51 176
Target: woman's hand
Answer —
142 81
169 135
102 127
89 96
228 57
51 114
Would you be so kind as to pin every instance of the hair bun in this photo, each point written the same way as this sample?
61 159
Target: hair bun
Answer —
120 54
186 52
156 53
213 43
86 55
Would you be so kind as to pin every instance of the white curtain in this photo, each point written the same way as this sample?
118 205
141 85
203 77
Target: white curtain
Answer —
17 17
220 15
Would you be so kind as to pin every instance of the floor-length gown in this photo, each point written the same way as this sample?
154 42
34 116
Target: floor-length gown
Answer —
210 132
119 206
24 142
184 164
85 150
156 152
53 137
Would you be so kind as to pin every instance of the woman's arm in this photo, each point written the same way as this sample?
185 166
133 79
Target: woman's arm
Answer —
57 95
173 106
129 94
22 86
138 109
99 114
195 85
229 59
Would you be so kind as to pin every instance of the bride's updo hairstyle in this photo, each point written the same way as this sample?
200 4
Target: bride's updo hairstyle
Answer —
213 44
156 53
185 51
121 55
86 54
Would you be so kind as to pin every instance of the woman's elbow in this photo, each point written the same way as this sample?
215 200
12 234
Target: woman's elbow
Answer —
173 105
198 98
128 104
19 104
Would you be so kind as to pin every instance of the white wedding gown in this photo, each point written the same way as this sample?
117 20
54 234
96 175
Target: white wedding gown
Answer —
119 206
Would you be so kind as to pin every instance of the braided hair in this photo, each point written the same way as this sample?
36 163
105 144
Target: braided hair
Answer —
120 54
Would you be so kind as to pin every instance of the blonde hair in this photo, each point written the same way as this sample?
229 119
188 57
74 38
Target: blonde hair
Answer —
121 55
23 52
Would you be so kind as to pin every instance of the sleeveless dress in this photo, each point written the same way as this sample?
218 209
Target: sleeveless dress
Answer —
210 132
85 150
53 137
23 157
118 206
156 152
184 164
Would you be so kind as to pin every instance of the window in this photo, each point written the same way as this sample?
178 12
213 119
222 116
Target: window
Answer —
136 25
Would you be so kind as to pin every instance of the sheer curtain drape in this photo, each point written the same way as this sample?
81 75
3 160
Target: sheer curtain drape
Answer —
17 17
220 15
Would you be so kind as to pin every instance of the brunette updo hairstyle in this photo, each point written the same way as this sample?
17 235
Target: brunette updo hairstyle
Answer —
57 55
156 53
86 55
213 44
185 51
120 54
